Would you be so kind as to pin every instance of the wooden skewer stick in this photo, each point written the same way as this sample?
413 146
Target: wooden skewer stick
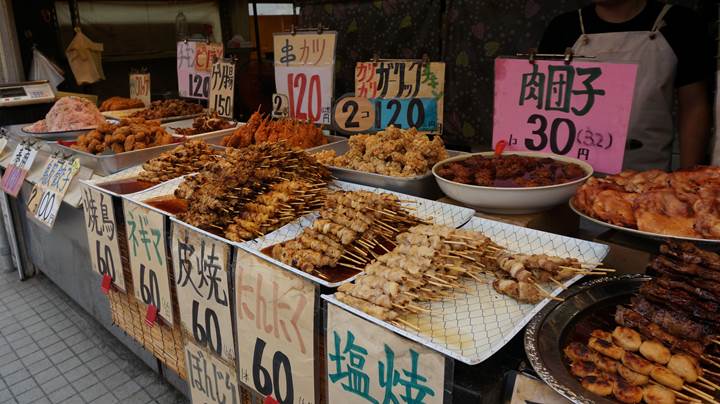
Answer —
700 393
477 278
411 325
557 282
342 264
410 294
418 308
717 358
710 361
679 394
352 260
716 374
709 384
546 293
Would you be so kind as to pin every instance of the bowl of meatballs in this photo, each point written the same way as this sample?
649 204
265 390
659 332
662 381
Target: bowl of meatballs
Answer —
511 183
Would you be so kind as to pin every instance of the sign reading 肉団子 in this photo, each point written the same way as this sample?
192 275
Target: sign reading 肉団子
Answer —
102 235
275 310
194 64
579 110
367 363
48 193
304 73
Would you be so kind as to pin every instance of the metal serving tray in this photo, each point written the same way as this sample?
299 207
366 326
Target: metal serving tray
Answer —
423 186
124 113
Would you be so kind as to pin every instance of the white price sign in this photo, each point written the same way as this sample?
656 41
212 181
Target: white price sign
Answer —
275 309
48 193
211 381
222 88
145 231
102 235
16 172
367 363
140 87
194 63
202 281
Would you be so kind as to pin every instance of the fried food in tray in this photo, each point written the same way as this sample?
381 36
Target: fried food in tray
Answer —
682 203
127 135
168 108
666 341
251 191
191 156
259 129
120 103
209 122
394 152
510 171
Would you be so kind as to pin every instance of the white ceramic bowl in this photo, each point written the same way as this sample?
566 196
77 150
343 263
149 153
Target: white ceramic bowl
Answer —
511 200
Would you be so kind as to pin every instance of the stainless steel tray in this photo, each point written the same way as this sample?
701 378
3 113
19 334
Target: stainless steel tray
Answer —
551 329
122 114
59 135
187 123
423 186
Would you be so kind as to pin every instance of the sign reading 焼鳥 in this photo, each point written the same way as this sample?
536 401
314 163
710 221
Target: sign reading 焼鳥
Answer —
579 110
304 73
102 234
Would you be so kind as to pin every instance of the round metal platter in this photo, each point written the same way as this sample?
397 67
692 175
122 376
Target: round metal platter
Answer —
590 306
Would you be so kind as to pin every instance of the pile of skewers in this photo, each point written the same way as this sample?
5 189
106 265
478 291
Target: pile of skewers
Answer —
190 157
673 323
353 228
259 129
249 192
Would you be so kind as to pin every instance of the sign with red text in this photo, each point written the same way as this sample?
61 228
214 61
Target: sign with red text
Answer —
18 168
145 231
275 310
580 110
140 87
304 73
48 193
367 363
202 282
102 235
194 65
211 381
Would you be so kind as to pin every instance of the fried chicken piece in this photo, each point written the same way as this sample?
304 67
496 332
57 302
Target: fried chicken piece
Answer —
661 211
120 103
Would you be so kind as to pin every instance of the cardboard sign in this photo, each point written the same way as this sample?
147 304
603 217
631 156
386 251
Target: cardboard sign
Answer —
275 311
48 193
353 114
102 235
140 87
16 172
145 231
304 73
211 381
202 282
194 62
367 363
579 110
222 88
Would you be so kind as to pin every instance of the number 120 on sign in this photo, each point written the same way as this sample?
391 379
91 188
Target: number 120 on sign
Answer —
356 114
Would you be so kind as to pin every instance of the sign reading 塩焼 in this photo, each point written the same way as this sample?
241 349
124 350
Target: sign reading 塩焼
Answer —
276 349
140 87
211 381
102 235
194 65
304 73
202 282
222 87
145 230
48 193
18 168
579 110
371 364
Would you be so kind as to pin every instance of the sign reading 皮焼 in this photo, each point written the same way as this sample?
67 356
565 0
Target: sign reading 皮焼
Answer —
194 64
202 282
48 193
367 363
102 235
18 168
140 87
275 310
579 110
145 231
222 88
211 381
304 73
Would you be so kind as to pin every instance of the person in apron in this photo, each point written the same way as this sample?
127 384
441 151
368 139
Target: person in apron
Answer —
651 130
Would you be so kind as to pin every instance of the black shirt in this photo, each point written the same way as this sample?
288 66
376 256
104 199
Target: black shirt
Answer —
683 29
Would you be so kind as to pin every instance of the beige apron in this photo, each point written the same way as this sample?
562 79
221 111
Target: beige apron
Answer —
650 134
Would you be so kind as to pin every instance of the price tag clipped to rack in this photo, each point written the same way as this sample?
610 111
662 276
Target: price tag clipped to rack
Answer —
145 232
366 362
48 193
211 381
102 235
222 88
140 87
580 110
18 168
202 281
275 309
194 64
304 73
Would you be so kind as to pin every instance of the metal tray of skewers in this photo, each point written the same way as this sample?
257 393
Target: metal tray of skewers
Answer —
122 114
635 337
471 318
423 186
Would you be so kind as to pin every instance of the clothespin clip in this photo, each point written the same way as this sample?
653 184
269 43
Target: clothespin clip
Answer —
270 400
185 41
320 29
375 58
568 55
293 31
106 284
151 315
532 54
425 59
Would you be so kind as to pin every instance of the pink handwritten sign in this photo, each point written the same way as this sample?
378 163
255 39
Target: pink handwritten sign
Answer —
579 110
